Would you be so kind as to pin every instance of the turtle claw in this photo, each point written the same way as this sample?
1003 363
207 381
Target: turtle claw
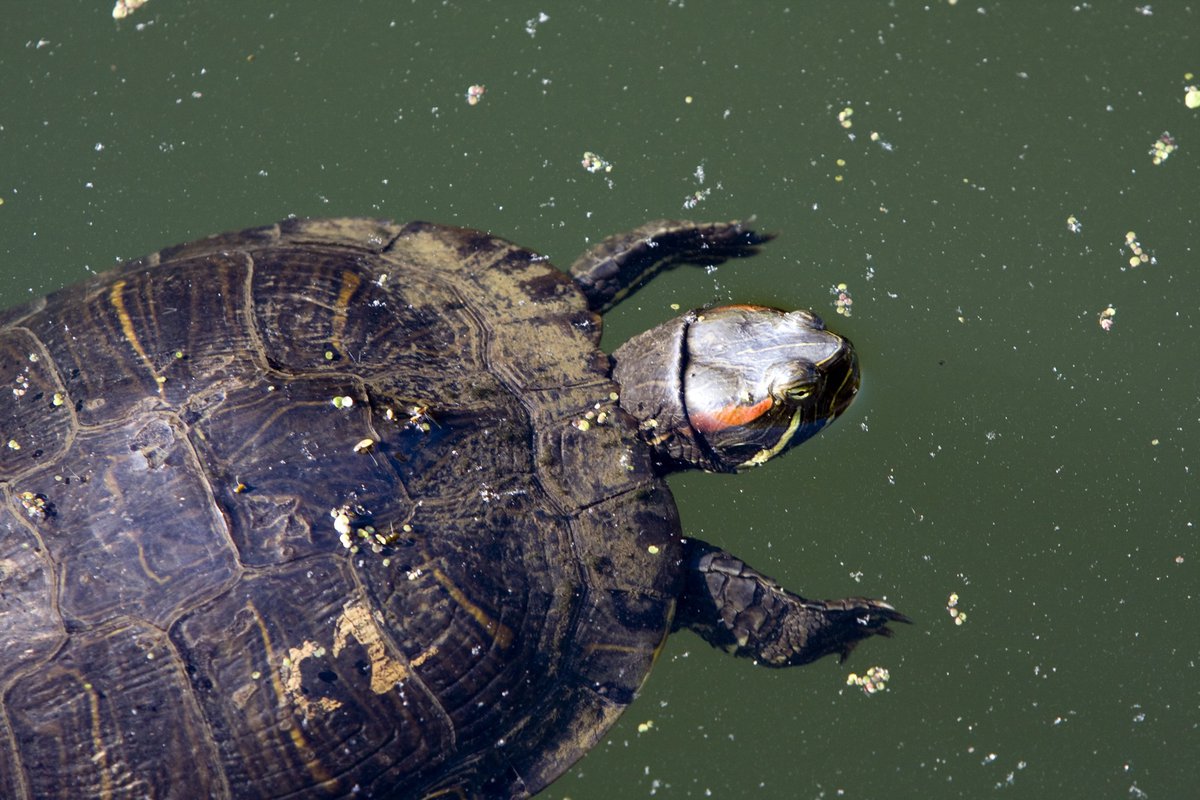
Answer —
837 626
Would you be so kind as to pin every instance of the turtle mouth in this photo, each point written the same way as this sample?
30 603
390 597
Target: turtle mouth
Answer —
843 378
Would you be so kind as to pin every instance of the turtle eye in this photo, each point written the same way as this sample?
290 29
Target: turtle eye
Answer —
799 391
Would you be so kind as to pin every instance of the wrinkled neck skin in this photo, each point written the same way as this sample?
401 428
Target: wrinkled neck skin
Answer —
651 380
728 388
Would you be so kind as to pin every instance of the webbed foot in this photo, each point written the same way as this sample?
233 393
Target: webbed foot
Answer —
737 608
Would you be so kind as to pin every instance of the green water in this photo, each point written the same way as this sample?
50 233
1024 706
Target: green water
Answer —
1005 446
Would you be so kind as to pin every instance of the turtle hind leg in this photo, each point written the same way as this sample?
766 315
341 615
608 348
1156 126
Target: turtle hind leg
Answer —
738 609
610 269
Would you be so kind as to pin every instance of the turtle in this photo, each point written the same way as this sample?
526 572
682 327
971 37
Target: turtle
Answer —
352 508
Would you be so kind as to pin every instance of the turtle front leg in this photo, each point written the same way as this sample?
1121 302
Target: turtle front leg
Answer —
738 609
610 269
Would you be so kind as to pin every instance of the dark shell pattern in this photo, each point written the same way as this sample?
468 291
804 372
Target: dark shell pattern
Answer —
312 506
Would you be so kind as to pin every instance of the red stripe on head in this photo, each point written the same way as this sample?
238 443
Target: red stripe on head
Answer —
729 416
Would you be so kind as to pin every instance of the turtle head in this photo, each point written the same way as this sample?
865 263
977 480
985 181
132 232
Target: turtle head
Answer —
728 388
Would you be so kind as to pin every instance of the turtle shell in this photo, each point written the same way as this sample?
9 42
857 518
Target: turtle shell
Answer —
326 508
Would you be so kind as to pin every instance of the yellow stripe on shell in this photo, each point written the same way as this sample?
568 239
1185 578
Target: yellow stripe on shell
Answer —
350 284
116 297
500 633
